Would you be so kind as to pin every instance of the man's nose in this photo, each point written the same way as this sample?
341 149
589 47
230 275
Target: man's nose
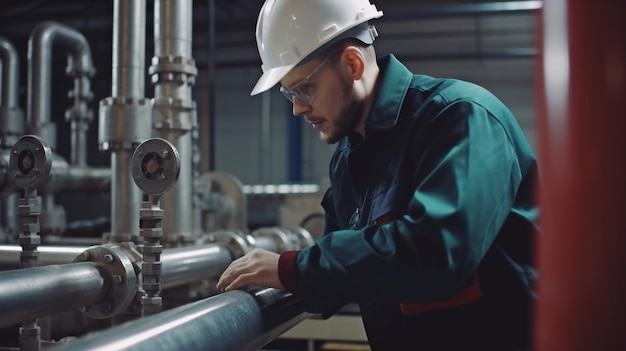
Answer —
299 107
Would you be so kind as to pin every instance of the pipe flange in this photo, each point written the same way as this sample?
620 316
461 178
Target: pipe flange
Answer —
237 243
120 276
282 238
30 162
155 166
173 114
124 122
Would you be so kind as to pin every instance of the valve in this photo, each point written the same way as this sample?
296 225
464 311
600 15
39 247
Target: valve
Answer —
30 163
155 167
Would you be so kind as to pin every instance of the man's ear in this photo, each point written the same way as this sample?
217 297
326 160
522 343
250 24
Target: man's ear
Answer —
355 61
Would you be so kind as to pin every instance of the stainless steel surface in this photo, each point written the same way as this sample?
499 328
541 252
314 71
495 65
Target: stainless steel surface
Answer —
238 320
189 264
9 216
266 243
40 47
173 74
119 271
128 95
48 255
129 48
65 177
10 74
177 203
125 199
181 265
26 294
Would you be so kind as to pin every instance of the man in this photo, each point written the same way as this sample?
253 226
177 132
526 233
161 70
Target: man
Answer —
430 215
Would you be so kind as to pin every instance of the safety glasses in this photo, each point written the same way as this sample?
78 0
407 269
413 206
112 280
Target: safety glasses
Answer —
305 91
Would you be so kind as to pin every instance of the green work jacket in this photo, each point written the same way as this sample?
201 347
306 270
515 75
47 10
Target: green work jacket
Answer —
430 220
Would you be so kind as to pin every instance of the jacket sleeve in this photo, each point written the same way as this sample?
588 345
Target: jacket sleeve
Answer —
465 185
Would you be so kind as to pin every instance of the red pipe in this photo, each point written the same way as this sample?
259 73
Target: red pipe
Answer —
582 127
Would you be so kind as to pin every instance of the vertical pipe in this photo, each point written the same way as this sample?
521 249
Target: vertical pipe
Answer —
129 43
40 47
174 73
583 151
10 74
11 128
128 79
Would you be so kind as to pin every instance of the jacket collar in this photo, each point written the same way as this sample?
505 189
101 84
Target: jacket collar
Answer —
395 81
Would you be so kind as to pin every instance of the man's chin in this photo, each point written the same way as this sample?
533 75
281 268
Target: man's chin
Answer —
329 138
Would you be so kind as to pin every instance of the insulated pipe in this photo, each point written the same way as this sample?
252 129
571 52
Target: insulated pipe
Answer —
238 320
26 294
581 257
40 72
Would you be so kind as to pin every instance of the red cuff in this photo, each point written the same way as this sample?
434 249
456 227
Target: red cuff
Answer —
287 270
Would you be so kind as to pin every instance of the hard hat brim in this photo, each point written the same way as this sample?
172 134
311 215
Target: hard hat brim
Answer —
270 78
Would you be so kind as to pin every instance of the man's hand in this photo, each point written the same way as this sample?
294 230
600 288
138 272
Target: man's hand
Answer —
259 267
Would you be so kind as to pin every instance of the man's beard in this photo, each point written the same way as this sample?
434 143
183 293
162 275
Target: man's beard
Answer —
348 120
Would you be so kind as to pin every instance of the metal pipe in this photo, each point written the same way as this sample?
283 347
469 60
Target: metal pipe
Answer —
266 243
189 264
10 74
174 117
26 294
40 72
129 36
179 265
48 255
238 320
10 222
129 42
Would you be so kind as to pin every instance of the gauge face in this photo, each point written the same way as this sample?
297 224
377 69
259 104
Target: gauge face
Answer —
155 166
30 162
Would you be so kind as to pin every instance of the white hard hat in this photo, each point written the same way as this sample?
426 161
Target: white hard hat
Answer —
288 31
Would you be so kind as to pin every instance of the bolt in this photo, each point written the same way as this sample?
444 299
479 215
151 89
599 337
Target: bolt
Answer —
118 279
108 258
165 154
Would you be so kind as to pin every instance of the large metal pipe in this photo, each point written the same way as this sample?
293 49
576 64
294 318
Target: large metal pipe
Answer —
185 265
34 292
581 257
179 265
174 73
129 37
48 255
40 72
238 320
